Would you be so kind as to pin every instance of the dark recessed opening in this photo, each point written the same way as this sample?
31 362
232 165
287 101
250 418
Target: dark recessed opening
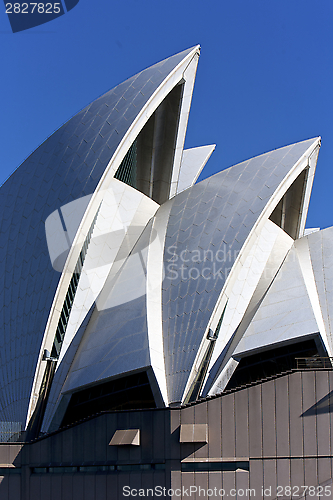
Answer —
215 466
126 393
271 362
148 163
287 213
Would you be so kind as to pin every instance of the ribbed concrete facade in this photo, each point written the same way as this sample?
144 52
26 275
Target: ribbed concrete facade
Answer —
280 427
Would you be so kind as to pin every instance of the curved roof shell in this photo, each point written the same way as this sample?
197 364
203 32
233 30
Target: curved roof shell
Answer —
179 263
68 165
208 226
202 231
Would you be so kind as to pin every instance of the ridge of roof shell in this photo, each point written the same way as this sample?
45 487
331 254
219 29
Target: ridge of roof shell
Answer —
171 61
311 140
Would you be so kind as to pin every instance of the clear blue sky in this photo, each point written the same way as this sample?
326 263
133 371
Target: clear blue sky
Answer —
264 78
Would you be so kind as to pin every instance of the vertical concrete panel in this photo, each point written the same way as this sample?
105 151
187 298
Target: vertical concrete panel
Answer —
136 423
283 472
297 474
78 444
187 480
187 417
89 487
311 473
56 448
172 429
161 480
111 427
270 476
101 487
176 482
255 422
148 435
242 485
46 486
89 441
36 454
268 419
101 438
67 446
112 487
135 480
67 487
256 477
282 417
328 489
15 487
56 481
228 483
323 427
324 470
158 429
228 426
123 480
201 483
25 479
123 422
147 481
201 413
26 454
214 428
201 417
44 451
78 486
309 419
4 488
242 423
296 422
215 481
330 408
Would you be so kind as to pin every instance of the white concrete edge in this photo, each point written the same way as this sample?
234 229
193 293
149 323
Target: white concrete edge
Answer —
313 157
304 259
151 208
196 168
199 356
266 237
155 276
189 77
118 263
224 377
212 149
275 261
265 214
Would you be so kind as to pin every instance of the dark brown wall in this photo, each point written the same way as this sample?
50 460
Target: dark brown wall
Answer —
283 427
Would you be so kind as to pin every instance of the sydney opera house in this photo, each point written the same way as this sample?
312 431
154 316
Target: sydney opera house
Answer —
162 337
